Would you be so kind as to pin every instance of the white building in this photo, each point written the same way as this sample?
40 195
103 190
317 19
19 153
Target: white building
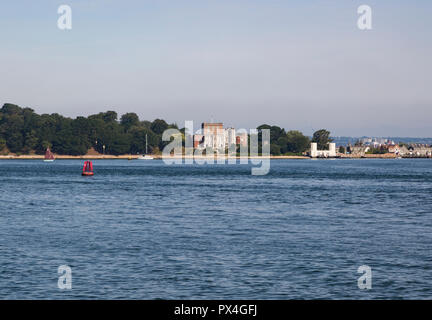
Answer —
230 137
214 136
330 153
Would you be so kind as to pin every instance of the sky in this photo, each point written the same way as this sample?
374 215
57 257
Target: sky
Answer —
302 65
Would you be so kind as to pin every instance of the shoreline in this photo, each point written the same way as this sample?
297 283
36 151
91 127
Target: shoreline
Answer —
159 157
129 157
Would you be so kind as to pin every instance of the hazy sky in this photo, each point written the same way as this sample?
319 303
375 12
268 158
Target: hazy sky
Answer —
298 64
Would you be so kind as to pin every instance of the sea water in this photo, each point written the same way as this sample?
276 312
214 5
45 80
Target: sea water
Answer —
146 230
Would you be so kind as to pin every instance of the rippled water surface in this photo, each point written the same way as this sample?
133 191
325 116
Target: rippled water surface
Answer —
145 230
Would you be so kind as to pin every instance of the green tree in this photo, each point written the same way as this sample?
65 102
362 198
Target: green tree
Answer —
159 126
2 143
15 142
322 138
42 146
9 109
109 116
297 141
275 132
23 131
30 141
138 136
274 149
282 142
129 120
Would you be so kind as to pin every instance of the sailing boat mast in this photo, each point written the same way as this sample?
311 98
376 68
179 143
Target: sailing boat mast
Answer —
146 156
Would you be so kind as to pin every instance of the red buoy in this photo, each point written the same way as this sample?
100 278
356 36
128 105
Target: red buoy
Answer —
88 169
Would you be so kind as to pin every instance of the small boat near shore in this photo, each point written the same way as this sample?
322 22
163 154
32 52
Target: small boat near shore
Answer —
49 156
145 156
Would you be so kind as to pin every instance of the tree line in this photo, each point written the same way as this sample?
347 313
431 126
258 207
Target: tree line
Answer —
294 142
22 131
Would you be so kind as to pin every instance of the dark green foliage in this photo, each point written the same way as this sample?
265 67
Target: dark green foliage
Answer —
159 126
23 131
322 138
129 120
281 142
380 150
138 135
275 131
297 142
2 143
275 149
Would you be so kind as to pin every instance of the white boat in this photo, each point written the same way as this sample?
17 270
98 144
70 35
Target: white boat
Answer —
49 156
145 156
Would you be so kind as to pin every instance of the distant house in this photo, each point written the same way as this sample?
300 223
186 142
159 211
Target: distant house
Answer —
403 150
198 139
393 149
420 150
359 150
